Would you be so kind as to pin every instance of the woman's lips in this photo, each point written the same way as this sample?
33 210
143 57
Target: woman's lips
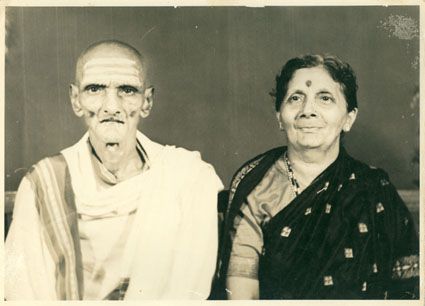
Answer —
308 129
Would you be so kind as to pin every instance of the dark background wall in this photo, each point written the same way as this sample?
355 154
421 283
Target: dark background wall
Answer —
213 69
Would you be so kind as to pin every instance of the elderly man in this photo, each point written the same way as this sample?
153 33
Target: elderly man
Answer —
115 216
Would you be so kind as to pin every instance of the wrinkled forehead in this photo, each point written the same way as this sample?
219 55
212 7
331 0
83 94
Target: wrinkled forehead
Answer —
112 69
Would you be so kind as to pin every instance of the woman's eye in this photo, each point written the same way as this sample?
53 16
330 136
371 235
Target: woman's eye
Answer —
295 98
326 98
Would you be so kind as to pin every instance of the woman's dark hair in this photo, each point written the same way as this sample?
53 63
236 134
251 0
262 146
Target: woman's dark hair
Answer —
340 72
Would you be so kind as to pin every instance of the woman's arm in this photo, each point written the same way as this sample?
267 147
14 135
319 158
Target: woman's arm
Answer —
242 288
242 274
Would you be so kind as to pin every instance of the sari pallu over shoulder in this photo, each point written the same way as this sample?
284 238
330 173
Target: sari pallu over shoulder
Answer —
347 236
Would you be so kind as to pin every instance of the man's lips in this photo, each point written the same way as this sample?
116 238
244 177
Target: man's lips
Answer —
111 120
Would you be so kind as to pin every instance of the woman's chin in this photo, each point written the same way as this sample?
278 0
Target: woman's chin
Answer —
307 144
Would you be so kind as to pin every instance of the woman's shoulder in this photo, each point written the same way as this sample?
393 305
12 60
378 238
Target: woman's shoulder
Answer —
255 161
260 162
369 189
369 174
373 185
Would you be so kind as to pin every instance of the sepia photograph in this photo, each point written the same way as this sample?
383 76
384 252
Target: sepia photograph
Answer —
220 152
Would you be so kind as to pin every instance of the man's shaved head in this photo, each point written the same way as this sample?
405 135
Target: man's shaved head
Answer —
110 94
112 49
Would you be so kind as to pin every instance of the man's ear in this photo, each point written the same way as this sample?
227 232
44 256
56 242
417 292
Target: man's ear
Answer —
147 102
75 102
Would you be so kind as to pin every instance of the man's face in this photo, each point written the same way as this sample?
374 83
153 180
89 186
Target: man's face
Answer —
110 95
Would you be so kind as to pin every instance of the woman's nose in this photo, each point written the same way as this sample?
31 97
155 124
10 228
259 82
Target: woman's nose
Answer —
308 108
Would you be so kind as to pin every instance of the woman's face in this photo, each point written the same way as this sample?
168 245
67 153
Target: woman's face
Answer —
314 111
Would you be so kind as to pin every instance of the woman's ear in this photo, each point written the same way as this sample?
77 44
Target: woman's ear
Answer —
280 122
351 118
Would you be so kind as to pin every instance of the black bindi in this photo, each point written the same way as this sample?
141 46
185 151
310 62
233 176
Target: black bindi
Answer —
308 83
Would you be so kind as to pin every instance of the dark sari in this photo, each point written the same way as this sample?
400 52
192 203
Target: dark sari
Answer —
347 236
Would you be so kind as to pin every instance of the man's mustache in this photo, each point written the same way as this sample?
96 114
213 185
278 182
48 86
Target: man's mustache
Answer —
111 119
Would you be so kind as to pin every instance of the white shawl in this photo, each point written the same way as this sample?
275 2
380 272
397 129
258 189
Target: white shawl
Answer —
171 252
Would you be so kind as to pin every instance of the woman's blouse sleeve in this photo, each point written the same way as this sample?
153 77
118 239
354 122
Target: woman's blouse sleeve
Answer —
270 196
247 243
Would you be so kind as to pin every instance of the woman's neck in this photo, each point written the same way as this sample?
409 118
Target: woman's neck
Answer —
308 164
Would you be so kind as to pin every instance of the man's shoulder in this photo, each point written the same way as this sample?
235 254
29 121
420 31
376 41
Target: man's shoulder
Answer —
52 164
178 162
182 156
183 152
168 152
56 158
186 167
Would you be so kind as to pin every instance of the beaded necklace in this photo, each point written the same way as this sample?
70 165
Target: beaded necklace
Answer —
294 183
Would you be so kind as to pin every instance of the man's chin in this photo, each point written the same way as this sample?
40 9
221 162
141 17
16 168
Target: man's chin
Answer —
111 137
116 139
112 140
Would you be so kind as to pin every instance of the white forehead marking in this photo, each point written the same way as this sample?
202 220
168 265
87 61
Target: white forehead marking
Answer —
105 70
112 70
106 61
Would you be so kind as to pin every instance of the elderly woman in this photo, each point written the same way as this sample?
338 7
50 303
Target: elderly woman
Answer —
308 221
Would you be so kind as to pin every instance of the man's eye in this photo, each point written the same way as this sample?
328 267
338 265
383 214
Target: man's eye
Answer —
94 88
128 90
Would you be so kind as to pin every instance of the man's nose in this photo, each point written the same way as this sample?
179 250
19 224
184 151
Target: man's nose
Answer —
308 108
112 103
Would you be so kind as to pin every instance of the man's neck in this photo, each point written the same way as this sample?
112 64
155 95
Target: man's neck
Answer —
122 160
